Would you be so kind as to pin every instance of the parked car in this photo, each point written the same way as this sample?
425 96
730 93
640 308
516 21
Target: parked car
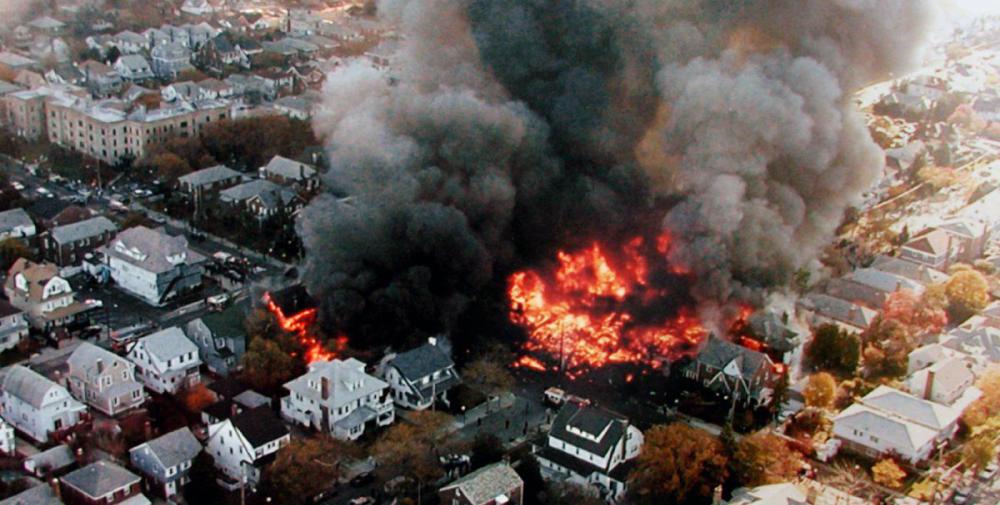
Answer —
17 185
989 472
363 479
44 192
961 496
362 500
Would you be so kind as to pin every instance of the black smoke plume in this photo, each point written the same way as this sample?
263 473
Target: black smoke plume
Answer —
507 129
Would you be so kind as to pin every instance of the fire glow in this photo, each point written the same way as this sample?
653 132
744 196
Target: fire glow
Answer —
301 324
582 313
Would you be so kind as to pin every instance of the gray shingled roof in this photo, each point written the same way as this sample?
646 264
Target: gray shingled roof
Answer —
155 245
487 483
289 169
86 355
174 448
10 219
168 344
100 478
421 362
718 353
268 192
55 459
41 494
26 384
87 228
209 175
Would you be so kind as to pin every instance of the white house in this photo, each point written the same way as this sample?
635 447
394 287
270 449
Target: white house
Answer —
949 382
16 223
197 7
166 361
133 67
891 421
35 405
590 445
152 265
166 461
6 439
104 380
13 326
241 445
420 376
338 397
38 290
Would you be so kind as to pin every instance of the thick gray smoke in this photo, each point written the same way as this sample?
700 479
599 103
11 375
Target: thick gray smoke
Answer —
506 129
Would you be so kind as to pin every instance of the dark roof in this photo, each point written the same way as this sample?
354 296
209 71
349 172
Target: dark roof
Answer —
421 362
223 44
227 387
259 425
6 309
588 419
47 208
229 322
718 353
293 299
220 410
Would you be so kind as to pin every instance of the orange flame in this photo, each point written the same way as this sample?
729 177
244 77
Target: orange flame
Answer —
567 315
301 324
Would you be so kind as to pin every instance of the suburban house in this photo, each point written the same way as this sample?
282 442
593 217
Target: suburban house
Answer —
152 265
300 176
16 223
13 326
208 181
589 444
871 287
66 245
36 406
935 248
745 375
169 60
102 80
133 68
243 444
102 483
220 338
914 271
817 309
166 461
130 43
945 382
104 380
799 492
496 484
339 398
420 376
215 89
52 462
222 52
891 421
46 298
262 198
166 361
197 7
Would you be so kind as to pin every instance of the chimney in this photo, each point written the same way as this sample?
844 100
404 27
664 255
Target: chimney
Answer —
325 387
100 366
234 409
717 495
929 385
54 483
432 341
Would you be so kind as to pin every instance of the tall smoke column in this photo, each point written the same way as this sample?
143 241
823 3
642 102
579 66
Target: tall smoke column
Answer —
507 129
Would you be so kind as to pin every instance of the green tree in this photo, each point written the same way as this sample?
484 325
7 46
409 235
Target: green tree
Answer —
677 464
488 376
821 390
486 449
11 249
308 466
834 349
266 366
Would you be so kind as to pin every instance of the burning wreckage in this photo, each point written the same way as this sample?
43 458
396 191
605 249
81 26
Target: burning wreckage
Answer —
623 177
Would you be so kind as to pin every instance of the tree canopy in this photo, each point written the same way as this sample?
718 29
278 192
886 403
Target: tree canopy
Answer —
678 463
764 458
821 390
834 349
968 293
308 466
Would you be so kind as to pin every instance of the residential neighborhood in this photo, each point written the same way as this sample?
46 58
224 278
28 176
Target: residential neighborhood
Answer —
356 252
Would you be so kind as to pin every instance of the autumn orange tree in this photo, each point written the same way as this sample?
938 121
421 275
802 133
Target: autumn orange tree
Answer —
887 345
917 314
821 390
411 448
764 458
888 473
678 464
